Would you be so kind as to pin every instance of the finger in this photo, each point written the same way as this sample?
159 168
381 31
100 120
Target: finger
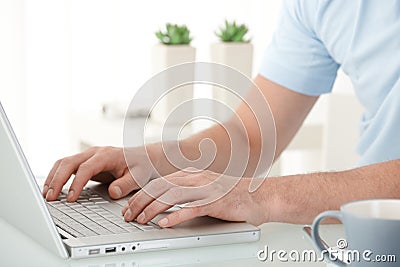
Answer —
144 197
84 173
50 177
181 216
65 169
151 211
132 210
158 187
131 201
175 195
122 186
154 188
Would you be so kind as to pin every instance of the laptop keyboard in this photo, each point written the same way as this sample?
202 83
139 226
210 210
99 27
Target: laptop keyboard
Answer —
87 216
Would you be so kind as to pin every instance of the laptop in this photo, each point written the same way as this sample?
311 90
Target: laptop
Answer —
93 225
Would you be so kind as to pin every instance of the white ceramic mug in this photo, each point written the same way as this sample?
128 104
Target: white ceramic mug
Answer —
372 230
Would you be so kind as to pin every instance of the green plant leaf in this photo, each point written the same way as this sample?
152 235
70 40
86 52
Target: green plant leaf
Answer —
174 35
232 32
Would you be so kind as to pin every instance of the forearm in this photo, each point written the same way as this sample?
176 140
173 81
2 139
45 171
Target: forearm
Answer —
299 198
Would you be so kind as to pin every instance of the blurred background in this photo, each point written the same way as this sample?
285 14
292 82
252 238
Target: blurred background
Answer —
61 60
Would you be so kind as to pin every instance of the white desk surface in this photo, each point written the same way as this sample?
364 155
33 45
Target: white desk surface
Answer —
16 249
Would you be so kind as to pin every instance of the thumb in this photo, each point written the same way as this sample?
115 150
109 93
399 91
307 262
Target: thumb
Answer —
182 215
122 186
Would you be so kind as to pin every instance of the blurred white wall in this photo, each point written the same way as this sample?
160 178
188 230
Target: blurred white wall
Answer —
12 63
59 57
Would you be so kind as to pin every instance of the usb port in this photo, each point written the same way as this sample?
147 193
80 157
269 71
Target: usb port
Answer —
94 251
110 250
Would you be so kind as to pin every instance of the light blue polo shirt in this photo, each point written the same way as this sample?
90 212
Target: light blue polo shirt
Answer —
316 37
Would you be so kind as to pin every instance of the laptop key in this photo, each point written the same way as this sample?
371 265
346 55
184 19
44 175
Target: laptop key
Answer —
85 202
86 217
67 229
101 231
95 199
100 202
133 229
147 227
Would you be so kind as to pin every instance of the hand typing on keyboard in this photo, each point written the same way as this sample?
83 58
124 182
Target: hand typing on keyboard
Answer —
103 164
129 169
203 193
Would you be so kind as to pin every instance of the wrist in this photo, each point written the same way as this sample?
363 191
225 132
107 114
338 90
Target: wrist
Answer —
288 198
258 203
266 201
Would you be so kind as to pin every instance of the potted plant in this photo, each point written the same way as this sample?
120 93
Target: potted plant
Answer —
234 50
173 48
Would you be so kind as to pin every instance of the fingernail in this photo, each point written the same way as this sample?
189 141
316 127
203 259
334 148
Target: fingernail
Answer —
124 210
45 188
141 217
117 191
70 194
163 222
49 193
128 215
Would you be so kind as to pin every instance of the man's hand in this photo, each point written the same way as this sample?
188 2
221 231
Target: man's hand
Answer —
203 193
103 164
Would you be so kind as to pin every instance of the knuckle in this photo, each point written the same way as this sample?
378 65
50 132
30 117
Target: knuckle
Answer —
199 176
66 161
131 200
92 149
84 168
54 184
181 172
129 181
106 150
175 216
156 183
152 183
78 183
176 192
207 172
111 152
203 175
150 210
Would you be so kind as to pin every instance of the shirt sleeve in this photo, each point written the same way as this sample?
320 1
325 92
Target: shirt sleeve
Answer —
296 58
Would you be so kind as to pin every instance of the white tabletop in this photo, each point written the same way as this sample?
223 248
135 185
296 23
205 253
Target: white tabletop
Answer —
16 249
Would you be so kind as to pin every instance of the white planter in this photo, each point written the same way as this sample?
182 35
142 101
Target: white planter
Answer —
238 56
235 55
165 56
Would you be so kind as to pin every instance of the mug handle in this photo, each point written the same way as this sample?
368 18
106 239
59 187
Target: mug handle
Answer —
315 232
